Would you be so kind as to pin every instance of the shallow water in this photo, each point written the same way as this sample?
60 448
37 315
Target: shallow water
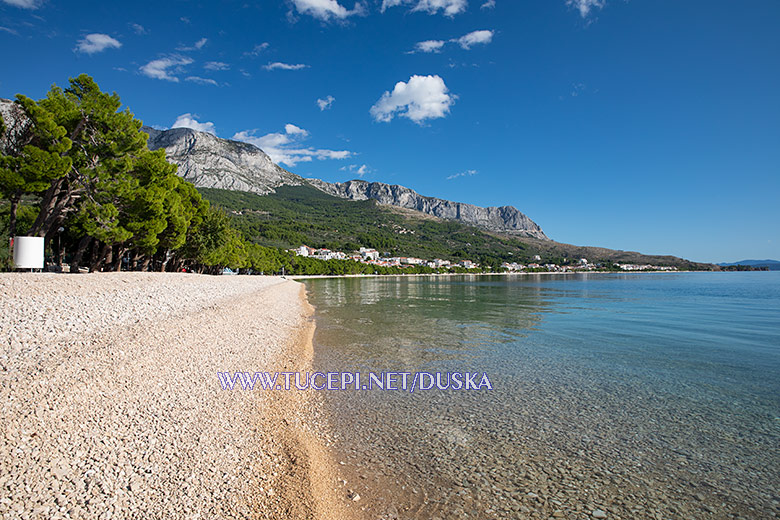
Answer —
640 395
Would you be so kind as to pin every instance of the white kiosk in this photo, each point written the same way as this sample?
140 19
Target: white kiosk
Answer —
28 252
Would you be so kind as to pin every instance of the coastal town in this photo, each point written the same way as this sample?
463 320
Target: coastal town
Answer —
374 257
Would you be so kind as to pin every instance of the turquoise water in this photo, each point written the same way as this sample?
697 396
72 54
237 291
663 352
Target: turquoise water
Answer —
640 395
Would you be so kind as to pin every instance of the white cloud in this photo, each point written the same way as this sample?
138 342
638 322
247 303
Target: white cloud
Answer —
188 121
138 28
216 65
423 97
295 130
97 42
201 81
326 9
284 66
390 3
286 147
429 46
466 41
490 4
360 171
325 103
257 49
8 30
585 6
448 7
161 68
474 38
24 4
196 46
467 173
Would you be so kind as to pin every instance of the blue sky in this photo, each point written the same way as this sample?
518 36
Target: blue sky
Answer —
638 125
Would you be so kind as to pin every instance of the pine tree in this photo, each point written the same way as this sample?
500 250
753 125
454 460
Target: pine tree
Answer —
33 149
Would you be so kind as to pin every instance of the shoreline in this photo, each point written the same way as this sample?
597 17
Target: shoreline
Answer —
296 418
111 403
545 273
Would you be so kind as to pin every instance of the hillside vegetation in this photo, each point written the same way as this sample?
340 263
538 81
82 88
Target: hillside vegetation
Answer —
296 215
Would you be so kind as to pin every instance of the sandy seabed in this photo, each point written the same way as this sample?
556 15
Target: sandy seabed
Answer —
110 404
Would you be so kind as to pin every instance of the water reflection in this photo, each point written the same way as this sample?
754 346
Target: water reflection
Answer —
647 396
409 324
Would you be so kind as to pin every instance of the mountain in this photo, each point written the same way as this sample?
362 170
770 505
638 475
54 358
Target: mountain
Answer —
504 219
278 208
208 161
772 265
211 162
295 215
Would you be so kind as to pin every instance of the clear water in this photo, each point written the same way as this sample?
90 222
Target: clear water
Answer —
644 396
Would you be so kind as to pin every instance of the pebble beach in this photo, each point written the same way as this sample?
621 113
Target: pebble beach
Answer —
110 404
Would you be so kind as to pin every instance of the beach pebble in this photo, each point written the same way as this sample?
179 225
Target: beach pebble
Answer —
113 408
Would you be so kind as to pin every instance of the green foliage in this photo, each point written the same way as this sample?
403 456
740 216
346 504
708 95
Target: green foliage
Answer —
296 215
74 159
25 215
34 158
215 242
89 161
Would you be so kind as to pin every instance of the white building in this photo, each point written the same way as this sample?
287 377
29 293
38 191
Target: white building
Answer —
369 254
514 266
438 263
303 251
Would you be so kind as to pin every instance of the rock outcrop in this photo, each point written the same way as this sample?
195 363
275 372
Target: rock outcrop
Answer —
208 161
504 219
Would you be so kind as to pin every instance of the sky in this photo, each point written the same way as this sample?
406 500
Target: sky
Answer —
641 125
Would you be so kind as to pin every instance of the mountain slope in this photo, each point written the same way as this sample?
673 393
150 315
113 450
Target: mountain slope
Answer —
208 161
211 162
295 215
504 219
772 265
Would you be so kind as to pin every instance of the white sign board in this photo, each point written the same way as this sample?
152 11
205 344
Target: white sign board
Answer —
28 252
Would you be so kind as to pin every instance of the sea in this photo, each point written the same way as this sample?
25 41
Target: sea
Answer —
647 395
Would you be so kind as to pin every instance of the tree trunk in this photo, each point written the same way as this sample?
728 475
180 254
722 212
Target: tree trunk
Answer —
165 261
57 202
133 265
108 259
145 265
95 256
103 258
12 216
82 247
48 203
120 253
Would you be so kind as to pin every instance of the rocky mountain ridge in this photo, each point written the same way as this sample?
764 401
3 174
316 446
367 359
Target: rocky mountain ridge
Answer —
503 219
212 162
208 161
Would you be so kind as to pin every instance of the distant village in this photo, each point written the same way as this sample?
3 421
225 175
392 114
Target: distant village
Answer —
372 256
